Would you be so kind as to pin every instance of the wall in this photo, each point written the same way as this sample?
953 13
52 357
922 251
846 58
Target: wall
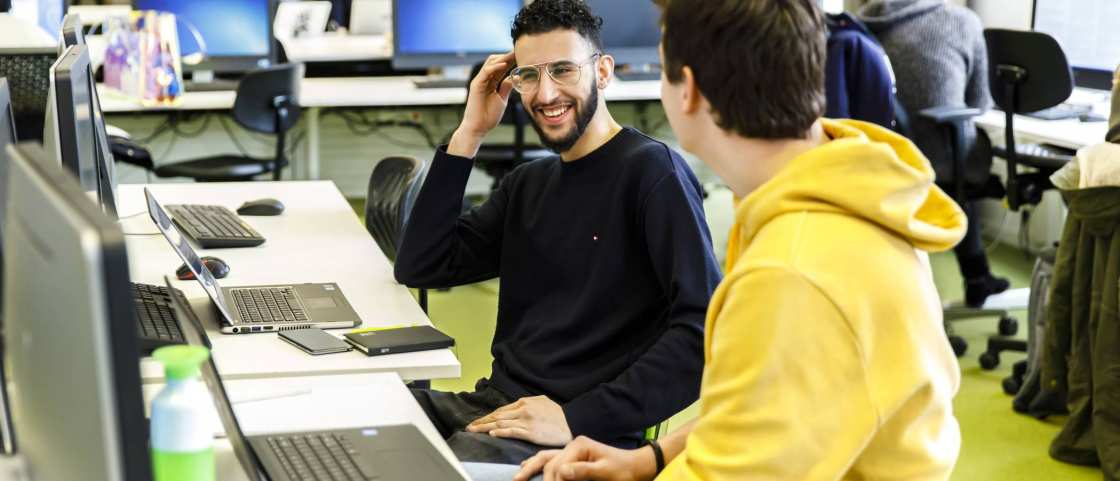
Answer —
1013 14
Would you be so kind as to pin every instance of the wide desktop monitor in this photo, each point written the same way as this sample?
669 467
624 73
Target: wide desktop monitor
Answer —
7 137
28 74
75 127
74 382
631 30
1088 33
453 34
237 33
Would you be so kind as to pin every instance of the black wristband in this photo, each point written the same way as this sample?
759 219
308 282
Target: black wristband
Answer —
658 455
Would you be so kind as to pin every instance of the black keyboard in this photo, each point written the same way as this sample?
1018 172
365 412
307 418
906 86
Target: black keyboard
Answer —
214 226
319 457
157 323
268 304
638 75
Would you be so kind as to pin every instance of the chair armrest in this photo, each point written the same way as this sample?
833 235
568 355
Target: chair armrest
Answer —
949 115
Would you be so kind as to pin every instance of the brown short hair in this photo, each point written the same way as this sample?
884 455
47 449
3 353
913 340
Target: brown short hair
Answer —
760 63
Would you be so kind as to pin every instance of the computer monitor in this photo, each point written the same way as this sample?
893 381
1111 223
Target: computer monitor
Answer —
76 401
71 33
106 167
631 30
452 34
69 130
28 74
237 33
1086 30
7 137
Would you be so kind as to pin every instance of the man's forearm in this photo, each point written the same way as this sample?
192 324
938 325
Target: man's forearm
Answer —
673 444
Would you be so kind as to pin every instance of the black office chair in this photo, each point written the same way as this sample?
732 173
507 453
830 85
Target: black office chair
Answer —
394 185
267 102
497 160
1029 72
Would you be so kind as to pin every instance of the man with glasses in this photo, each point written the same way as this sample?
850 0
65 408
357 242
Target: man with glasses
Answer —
603 252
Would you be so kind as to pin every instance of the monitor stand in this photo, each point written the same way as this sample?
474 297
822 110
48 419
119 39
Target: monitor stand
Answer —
204 81
448 78
638 72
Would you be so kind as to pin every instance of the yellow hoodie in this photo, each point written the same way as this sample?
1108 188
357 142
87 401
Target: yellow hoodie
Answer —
825 353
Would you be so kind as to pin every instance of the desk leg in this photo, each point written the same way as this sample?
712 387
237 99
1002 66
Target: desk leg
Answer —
311 170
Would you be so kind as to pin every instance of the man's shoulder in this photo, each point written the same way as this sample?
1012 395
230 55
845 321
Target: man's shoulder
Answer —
650 158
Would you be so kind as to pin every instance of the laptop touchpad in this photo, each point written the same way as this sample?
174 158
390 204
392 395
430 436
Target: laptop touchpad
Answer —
405 464
319 303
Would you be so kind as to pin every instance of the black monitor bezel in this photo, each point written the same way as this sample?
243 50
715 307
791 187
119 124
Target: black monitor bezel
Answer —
7 441
647 55
69 73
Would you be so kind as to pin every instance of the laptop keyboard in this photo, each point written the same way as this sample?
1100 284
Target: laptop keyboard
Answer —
214 226
268 304
318 457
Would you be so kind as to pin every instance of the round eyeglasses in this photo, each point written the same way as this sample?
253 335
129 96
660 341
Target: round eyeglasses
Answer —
526 79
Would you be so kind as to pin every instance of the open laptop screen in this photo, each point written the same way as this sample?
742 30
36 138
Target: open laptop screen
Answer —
187 253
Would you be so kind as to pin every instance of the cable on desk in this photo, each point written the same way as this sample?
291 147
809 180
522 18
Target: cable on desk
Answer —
359 124
175 125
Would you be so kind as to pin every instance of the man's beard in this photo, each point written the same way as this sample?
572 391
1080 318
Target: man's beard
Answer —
584 112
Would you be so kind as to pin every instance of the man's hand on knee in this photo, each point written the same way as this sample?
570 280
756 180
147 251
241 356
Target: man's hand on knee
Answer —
536 419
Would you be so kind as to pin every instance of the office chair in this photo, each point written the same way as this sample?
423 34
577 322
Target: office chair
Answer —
394 185
267 102
970 179
1029 72
497 160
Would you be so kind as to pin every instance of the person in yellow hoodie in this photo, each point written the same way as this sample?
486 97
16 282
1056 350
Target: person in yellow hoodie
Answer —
825 355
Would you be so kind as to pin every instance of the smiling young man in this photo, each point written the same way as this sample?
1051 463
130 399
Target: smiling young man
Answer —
825 355
603 253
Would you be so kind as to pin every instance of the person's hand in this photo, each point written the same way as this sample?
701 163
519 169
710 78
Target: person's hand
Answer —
585 459
536 419
486 104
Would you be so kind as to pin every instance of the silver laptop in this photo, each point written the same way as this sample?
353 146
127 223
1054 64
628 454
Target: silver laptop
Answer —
371 17
381 453
252 309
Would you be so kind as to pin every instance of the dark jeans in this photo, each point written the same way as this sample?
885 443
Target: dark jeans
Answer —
452 412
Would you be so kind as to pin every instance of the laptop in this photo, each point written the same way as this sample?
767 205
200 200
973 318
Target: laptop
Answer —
382 453
270 308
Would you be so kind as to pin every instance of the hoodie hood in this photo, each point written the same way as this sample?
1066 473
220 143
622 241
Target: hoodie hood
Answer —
881 15
867 172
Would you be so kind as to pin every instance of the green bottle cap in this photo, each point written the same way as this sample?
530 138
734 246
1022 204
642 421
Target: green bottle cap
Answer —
181 362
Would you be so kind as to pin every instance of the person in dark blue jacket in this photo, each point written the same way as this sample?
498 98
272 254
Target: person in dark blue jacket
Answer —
859 83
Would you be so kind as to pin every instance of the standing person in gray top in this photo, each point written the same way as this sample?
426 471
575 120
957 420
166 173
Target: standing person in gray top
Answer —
940 59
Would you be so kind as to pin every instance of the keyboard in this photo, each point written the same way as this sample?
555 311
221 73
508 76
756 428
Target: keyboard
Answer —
214 226
637 76
319 457
440 83
213 86
268 304
1062 112
157 323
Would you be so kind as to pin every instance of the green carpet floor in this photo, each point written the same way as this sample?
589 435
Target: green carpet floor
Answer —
998 443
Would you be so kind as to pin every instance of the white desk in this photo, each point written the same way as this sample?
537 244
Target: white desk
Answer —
334 402
1071 133
356 92
318 238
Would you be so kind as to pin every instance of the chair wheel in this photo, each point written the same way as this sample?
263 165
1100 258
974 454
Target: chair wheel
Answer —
1019 369
989 361
1011 385
960 346
1008 326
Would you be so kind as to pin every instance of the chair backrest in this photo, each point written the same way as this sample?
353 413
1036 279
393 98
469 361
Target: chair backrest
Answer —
268 99
1028 70
393 186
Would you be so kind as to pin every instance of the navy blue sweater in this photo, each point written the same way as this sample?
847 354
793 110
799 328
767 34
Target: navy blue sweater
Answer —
606 271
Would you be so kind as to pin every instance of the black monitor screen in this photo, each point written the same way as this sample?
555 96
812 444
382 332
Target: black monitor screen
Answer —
73 128
1087 31
238 29
429 33
631 29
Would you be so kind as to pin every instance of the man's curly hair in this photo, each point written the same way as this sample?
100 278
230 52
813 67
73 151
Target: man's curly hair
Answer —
543 16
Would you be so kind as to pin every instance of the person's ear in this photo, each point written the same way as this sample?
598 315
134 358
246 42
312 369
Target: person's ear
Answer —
605 71
690 93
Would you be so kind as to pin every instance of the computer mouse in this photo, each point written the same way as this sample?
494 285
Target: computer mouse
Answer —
217 267
261 207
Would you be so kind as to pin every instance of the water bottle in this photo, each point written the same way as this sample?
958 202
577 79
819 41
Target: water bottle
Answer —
182 436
